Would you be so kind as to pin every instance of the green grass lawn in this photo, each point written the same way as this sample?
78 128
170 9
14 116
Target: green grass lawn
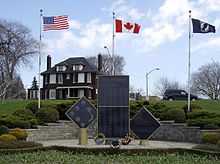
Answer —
207 105
10 106
55 157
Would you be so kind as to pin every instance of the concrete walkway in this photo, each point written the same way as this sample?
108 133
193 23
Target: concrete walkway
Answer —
133 145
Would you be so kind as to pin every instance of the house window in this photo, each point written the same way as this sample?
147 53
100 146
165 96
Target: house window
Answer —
68 76
61 68
52 78
74 78
89 80
81 78
80 93
52 94
77 67
60 78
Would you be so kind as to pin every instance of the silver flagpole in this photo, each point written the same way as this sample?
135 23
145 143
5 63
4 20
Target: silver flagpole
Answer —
189 62
113 43
39 60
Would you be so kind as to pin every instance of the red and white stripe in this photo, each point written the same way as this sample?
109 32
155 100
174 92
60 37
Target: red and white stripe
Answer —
60 23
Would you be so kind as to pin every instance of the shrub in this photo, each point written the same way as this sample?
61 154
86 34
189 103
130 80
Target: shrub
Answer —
193 107
12 121
218 143
20 134
158 109
177 115
7 138
136 106
46 115
201 114
211 137
210 126
3 130
25 114
32 106
203 122
18 144
62 108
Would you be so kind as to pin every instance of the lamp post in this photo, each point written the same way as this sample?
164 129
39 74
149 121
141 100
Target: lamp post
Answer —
147 81
111 57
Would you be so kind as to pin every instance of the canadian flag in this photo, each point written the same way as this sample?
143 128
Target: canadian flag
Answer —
121 26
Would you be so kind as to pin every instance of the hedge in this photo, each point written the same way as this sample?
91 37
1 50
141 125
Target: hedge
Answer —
211 137
19 145
46 115
7 138
177 115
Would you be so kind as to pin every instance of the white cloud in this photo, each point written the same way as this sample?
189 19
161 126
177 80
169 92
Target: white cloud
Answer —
92 35
211 5
210 43
166 25
124 10
74 24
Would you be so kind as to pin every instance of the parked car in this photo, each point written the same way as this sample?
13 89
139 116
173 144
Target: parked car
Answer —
177 94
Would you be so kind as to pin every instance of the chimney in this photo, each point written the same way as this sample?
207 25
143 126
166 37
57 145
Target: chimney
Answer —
48 62
99 62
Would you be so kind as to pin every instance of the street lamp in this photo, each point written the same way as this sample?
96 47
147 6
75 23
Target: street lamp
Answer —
147 81
111 57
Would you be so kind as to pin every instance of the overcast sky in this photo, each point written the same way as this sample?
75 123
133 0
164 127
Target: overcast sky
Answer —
162 41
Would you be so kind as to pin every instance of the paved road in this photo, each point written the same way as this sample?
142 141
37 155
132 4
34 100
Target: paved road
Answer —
133 145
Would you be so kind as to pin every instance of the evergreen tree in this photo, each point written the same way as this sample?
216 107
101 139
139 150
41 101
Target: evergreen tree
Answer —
34 83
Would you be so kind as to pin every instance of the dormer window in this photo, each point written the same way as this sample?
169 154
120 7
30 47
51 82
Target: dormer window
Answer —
77 67
61 68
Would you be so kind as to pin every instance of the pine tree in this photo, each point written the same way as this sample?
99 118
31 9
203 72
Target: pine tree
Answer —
34 83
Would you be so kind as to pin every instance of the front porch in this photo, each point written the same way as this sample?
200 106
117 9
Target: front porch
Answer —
70 92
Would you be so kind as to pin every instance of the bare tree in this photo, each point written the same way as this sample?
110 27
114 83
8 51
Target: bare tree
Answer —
108 62
206 80
164 83
16 47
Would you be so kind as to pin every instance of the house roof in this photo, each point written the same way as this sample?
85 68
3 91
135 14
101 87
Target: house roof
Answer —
70 62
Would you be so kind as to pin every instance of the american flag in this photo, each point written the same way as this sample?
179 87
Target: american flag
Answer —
55 23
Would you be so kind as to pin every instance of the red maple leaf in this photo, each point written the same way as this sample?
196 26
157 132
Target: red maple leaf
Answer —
128 26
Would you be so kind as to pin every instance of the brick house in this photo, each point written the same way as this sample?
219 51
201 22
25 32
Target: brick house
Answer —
72 78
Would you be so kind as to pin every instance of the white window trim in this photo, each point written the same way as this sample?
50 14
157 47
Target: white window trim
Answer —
60 78
83 91
54 80
67 76
77 67
61 68
83 78
89 80
74 79
51 96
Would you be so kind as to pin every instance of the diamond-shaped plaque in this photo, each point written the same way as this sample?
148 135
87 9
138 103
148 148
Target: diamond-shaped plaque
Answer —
143 124
82 113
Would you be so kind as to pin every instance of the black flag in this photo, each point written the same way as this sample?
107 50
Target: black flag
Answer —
202 27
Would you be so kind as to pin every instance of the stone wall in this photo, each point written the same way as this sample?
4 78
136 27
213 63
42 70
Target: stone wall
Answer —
58 131
170 131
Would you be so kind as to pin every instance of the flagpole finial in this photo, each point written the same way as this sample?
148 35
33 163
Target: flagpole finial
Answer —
41 12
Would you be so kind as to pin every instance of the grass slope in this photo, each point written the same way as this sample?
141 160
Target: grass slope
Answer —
9 106
207 105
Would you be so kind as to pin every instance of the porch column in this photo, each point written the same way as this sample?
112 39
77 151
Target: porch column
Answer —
68 93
